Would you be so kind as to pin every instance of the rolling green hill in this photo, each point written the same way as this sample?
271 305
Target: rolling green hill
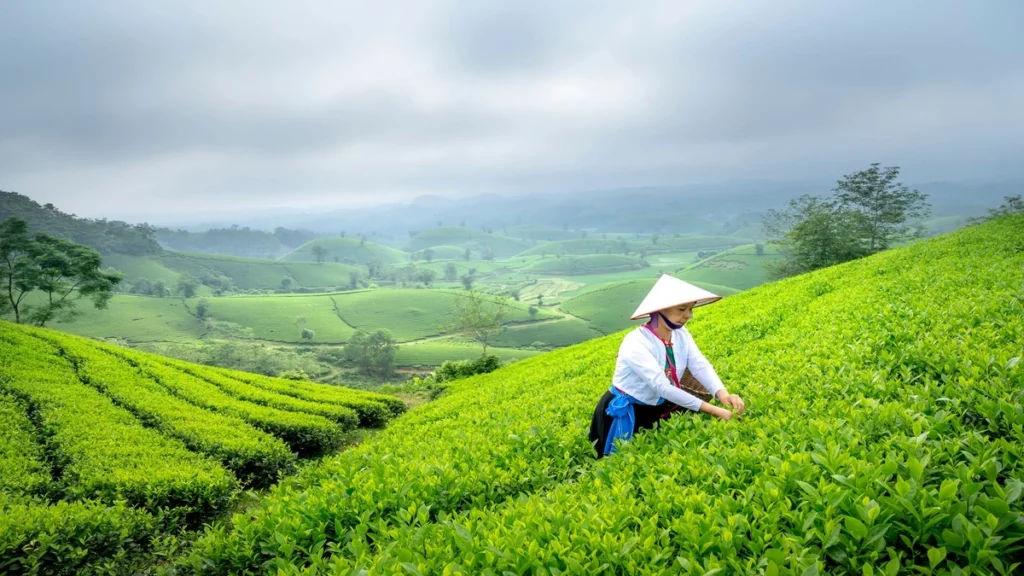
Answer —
883 434
98 438
607 309
738 268
609 245
475 240
543 233
447 252
348 250
584 264
242 273
693 243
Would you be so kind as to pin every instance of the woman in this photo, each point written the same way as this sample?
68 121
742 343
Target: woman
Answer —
651 362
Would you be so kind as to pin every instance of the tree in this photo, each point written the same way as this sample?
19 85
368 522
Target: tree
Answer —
869 212
810 234
18 269
307 334
353 279
427 276
488 253
286 282
451 273
467 281
373 268
480 316
62 270
655 238
362 240
202 307
759 249
372 353
342 233
159 289
319 252
532 310
467 254
337 259
1010 205
187 285
881 206
428 254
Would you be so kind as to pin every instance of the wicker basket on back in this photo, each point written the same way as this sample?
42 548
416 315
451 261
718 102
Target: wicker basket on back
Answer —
690 384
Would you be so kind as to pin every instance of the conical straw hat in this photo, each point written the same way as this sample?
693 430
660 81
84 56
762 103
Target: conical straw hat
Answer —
670 291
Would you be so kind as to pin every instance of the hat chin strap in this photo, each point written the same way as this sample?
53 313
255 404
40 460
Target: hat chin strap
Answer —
655 317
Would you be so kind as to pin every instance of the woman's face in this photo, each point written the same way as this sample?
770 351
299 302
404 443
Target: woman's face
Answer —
679 314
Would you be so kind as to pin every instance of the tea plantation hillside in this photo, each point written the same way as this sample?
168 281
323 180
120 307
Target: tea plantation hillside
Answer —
103 447
350 250
884 435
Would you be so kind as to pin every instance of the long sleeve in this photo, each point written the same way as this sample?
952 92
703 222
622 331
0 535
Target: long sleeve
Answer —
701 369
645 366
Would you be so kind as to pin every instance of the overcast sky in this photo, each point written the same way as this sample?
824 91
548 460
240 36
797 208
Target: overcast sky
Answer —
165 108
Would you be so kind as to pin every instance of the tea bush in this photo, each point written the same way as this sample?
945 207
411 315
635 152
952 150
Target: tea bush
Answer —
884 435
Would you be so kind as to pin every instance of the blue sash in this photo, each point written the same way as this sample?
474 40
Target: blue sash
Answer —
623 418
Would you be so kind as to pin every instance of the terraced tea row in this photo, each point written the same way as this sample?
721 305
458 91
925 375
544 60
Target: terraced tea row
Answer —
883 435
102 442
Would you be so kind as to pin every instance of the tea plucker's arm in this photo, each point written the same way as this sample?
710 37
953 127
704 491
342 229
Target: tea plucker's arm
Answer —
705 373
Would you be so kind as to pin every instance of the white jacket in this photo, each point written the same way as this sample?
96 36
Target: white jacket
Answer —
640 368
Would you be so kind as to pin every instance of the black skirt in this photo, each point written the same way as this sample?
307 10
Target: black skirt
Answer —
646 416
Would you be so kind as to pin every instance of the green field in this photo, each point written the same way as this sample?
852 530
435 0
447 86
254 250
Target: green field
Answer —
447 252
693 243
550 334
434 352
592 245
584 264
409 314
348 250
890 442
607 308
739 268
282 318
463 238
137 319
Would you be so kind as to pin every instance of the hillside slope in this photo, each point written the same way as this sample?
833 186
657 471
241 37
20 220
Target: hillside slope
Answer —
348 250
87 424
884 431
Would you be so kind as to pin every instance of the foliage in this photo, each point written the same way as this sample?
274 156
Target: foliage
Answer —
104 236
374 353
869 212
100 449
256 458
458 369
451 273
71 538
479 316
61 270
890 442
1011 205
22 467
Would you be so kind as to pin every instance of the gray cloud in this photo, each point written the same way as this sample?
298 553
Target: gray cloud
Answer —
144 108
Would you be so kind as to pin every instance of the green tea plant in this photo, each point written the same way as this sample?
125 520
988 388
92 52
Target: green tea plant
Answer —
255 457
100 450
373 409
22 467
884 435
307 434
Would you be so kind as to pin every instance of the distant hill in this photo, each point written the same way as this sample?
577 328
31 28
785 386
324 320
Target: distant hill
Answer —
220 271
106 236
476 240
584 264
544 233
235 241
739 268
347 251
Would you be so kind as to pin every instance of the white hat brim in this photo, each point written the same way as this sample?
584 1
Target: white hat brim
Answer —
669 291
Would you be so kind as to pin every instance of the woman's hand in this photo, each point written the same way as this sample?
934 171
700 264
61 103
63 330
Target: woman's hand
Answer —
732 400
716 411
